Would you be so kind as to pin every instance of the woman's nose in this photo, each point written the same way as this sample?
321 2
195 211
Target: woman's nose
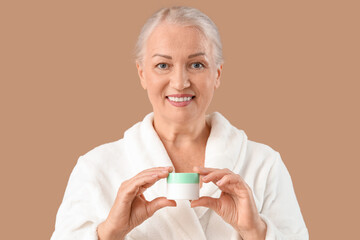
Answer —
179 79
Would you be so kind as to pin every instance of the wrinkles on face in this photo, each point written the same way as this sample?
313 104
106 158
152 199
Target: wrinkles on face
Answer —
178 60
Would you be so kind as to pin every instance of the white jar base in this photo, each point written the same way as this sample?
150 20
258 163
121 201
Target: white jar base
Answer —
183 191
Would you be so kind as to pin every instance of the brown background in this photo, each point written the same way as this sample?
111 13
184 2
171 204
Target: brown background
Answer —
69 83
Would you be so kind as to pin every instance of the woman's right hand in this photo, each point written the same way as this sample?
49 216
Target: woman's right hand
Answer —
131 208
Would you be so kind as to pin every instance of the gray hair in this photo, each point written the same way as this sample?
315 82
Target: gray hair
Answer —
185 16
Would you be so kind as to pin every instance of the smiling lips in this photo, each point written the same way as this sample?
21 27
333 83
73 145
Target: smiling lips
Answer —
180 100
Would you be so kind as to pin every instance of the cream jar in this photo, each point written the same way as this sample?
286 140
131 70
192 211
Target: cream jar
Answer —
183 186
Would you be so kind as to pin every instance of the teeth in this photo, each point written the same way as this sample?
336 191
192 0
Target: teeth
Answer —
182 99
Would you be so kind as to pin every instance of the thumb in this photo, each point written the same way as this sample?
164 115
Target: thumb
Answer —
159 203
208 202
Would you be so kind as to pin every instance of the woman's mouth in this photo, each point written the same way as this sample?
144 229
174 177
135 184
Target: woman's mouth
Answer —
180 101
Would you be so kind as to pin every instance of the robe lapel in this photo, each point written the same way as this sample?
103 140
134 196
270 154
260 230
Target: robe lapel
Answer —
225 148
144 145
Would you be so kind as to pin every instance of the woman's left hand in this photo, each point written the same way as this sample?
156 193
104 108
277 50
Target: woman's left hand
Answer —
236 204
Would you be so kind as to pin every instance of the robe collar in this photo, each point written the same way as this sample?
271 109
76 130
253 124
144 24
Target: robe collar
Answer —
225 148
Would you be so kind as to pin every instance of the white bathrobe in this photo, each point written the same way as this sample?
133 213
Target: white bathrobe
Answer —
98 174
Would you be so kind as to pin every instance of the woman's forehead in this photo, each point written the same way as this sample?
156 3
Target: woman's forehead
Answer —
173 39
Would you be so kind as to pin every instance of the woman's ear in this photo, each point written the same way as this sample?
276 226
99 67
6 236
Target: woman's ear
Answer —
141 74
218 74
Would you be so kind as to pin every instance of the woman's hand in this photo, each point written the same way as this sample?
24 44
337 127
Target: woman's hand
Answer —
236 204
131 208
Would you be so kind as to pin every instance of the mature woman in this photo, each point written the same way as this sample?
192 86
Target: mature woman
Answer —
117 190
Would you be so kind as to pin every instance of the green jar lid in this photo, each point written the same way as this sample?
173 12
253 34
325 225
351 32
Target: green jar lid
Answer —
183 178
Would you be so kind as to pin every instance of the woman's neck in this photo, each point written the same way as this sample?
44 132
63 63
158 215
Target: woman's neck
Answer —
177 134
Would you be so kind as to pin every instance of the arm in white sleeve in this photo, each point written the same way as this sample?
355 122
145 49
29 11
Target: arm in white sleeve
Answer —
281 210
82 208
77 215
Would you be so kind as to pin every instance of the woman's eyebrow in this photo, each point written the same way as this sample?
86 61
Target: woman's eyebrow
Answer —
196 54
161 55
169 57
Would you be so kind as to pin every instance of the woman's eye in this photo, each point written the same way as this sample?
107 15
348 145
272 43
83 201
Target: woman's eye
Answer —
197 65
162 66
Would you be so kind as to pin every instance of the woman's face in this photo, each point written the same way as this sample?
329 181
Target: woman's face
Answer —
179 72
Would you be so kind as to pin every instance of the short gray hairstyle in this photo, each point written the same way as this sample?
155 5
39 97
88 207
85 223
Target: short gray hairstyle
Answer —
185 16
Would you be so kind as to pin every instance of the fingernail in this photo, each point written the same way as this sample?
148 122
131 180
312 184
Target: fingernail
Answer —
218 182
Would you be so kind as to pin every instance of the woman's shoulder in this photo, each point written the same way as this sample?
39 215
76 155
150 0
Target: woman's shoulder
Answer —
261 154
256 155
254 147
105 153
113 149
105 148
107 162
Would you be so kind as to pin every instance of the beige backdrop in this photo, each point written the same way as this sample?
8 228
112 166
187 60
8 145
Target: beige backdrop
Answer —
69 83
